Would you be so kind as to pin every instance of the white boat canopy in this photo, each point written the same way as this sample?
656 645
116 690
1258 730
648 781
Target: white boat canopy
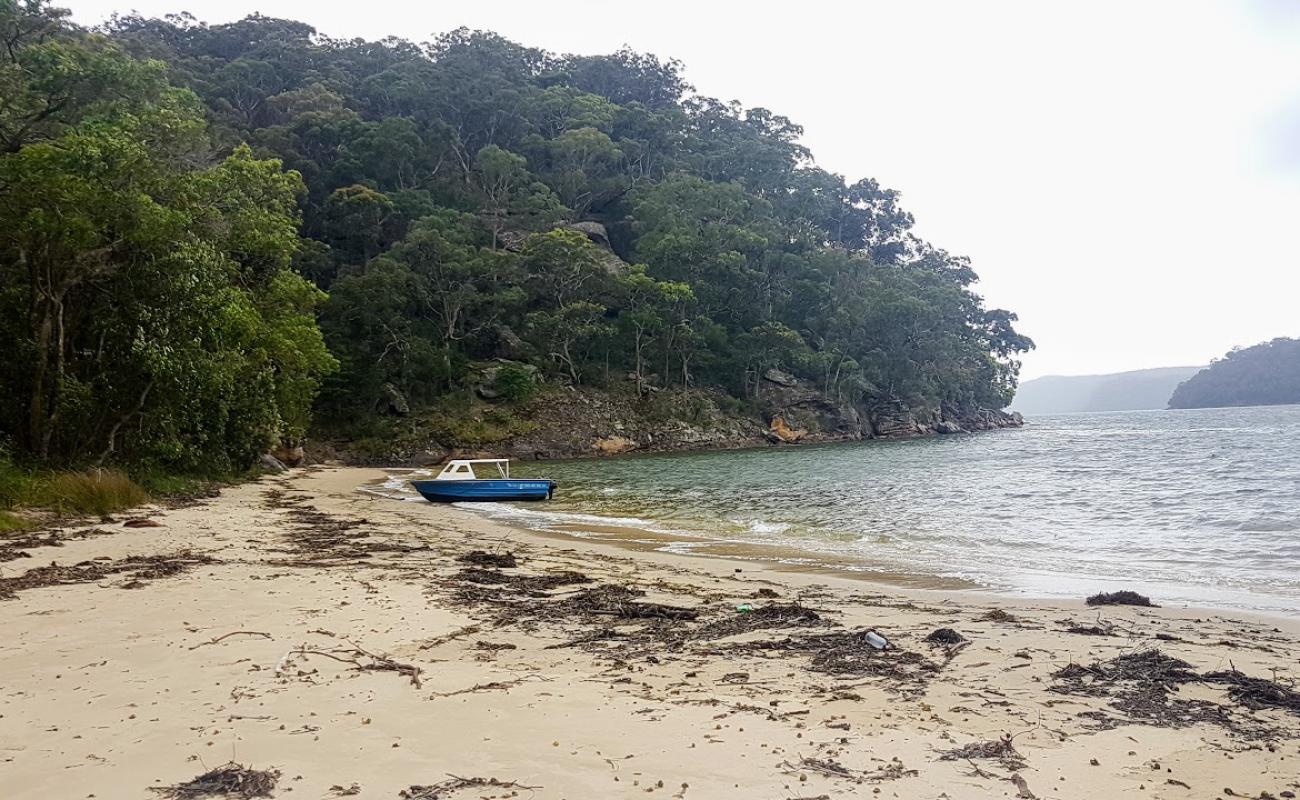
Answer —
462 469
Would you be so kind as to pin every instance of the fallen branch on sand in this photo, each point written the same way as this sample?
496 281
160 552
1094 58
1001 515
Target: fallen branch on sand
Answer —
892 771
223 637
1001 750
490 687
228 780
438 791
355 656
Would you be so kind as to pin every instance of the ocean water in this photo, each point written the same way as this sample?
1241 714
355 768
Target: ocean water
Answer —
1196 507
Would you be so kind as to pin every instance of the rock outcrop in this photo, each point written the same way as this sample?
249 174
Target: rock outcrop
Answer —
805 414
578 421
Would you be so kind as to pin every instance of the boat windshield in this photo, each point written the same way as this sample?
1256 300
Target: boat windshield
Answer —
464 469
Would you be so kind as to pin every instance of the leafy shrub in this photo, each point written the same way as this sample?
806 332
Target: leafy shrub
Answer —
516 383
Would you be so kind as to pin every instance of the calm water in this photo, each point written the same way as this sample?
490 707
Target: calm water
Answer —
1201 507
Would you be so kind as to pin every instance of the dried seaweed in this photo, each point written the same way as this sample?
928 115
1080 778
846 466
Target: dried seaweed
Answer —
1140 686
769 617
849 654
1120 598
619 601
520 583
228 780
139 568
997 615
482 558
944 637
453 784
1256 693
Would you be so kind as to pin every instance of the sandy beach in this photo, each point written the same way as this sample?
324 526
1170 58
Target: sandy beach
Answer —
355 646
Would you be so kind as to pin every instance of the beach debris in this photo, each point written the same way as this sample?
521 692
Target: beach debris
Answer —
944 637
528 584
619 601
892 771
1091 630
438 791
767 593
358 658
1002 750
229 780
1256 693
13 549
142 522
339 790
849 653
225 636
773 615
1022 788
482 558
1140 685
139 568
744 608
492 686
875 640
1121 598
998 615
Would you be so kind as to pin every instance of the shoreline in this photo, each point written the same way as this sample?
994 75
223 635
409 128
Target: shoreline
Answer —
792 559
348 641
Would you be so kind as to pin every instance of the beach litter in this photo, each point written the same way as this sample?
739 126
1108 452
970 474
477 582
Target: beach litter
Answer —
229 780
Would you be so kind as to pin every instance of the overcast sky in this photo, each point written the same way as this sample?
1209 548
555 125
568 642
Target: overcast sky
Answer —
1124 175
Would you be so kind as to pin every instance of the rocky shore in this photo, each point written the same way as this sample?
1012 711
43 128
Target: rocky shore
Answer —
585 422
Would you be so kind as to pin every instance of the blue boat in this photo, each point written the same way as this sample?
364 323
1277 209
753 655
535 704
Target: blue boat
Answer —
457 483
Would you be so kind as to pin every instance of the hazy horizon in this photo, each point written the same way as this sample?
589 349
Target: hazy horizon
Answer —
1123 177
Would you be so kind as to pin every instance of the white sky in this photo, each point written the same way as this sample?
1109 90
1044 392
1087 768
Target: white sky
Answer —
1124 175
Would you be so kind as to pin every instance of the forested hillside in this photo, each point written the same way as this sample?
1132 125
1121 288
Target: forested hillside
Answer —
178 201
1118 391
1264 375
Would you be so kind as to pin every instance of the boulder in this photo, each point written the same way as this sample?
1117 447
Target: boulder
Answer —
592 230
780 378
613 445
946 427
784 432
289 455
393 401
270 463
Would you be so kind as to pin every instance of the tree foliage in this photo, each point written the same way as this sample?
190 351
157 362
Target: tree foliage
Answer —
1264 375
146 286
460 200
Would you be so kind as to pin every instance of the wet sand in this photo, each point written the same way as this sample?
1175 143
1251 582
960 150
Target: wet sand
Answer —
337 640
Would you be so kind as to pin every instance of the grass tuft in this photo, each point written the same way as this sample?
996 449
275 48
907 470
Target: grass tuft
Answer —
10 522
101 492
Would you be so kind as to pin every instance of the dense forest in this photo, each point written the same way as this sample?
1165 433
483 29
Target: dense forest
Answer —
1264 375
211 236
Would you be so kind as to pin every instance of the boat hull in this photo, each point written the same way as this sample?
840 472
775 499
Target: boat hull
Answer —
484 490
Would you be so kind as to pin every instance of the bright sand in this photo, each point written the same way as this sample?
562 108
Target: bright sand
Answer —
106 692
